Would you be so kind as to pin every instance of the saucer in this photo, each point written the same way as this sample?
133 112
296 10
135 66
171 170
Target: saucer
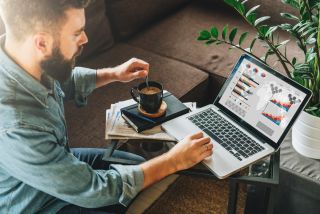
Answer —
159 113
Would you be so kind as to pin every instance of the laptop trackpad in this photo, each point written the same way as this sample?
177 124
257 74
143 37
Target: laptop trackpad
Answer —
185 128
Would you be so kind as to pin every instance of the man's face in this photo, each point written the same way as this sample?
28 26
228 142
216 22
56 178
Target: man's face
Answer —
66 48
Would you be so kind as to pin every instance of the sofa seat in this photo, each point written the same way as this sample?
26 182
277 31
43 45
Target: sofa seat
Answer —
299 181
177 77
175 37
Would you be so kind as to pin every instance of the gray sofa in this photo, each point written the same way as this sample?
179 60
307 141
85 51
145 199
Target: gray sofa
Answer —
164 34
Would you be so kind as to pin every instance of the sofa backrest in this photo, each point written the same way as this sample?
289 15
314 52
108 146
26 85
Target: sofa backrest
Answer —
129 16
98 30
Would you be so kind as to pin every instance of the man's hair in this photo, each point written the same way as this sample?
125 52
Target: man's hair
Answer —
22 17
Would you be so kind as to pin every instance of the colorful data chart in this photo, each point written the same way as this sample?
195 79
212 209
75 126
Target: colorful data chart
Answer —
283 105
276 119
240 92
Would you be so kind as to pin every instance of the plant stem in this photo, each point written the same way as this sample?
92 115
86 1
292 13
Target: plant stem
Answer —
276 51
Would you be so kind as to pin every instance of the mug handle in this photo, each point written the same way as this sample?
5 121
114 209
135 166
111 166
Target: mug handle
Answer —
133 90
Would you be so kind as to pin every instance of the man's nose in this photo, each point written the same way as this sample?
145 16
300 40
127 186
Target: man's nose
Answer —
84 39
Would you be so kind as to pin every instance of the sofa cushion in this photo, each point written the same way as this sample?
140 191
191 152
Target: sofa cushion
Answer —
97 29
299 181
175 37
128 17
88 123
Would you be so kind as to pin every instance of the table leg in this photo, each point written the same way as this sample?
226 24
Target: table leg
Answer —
108 155
272 199
233 196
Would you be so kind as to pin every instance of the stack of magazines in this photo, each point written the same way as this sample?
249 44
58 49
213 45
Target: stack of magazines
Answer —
117 128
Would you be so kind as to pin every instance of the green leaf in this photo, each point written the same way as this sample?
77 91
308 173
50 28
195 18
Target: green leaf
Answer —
282 43
286 27
263 29
258 21
232 3
311 57
292 3
294 60
314 4
214 32
252 18
313 108
309 31
252 10
242 37
271 30
311 41
289 16
240 8
210 42
204 35
305 76
252 43
232 34
305 26
224 32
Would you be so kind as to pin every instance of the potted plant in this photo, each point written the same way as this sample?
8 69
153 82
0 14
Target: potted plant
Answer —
305 30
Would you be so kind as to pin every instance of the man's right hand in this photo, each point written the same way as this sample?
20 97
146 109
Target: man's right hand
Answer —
190 151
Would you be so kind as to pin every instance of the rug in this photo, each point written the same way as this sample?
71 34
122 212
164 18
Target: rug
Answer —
194 194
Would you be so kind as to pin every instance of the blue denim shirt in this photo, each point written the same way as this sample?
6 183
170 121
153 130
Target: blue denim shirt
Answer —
37 171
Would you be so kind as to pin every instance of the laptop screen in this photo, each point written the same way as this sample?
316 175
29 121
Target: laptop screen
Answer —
259 96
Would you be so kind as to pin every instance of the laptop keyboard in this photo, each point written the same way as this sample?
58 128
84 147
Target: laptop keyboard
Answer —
227 135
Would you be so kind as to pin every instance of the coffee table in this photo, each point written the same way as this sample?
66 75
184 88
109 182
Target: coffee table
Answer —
264 173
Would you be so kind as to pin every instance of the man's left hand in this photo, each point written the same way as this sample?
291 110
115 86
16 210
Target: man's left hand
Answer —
132 69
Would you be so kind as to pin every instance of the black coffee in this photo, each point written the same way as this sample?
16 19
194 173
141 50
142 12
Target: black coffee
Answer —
150 90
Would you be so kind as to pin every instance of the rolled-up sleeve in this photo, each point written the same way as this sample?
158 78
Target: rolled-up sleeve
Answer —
132 182
33 157
80 85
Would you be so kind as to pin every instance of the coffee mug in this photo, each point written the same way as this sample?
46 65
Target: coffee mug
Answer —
149 98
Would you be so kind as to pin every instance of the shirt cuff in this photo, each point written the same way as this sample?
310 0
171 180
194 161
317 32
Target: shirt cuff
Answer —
85 82
132 181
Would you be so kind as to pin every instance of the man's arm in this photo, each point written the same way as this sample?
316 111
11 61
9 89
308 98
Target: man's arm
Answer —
188 152
35 158
130 70
84 80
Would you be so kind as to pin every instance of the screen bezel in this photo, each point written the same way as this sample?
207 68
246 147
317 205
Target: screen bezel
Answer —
246 125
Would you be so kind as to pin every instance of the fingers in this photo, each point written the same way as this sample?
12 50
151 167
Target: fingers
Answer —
206 154
206 147
196 136
140 64
202 141
140 74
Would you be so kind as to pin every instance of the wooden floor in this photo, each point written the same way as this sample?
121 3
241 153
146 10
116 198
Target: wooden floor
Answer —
150 195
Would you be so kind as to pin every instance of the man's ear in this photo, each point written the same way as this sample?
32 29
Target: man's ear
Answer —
43 43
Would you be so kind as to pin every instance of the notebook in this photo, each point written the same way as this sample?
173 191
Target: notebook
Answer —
140 123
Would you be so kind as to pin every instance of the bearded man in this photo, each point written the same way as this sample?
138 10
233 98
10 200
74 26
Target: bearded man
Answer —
38 171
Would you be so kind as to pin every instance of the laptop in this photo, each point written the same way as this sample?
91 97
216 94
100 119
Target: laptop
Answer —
248 120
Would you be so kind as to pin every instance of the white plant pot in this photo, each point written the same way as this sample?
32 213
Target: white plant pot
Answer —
306 135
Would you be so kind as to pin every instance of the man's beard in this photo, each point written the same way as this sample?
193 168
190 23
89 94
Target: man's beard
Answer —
57 67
